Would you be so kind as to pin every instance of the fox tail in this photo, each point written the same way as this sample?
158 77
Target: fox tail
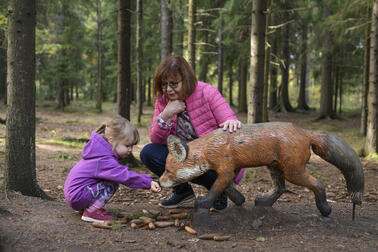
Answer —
336 151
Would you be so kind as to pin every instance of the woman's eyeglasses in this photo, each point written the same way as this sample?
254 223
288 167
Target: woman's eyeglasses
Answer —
172 84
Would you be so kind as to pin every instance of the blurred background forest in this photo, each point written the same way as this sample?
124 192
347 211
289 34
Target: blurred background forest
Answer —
70 36
276 56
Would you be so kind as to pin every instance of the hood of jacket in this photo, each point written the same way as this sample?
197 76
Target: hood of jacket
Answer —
98 147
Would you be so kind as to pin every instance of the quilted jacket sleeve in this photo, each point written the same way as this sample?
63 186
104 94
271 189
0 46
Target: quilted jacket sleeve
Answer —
157 134
218 105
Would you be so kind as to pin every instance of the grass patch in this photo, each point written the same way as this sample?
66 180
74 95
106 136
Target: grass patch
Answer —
72 121
373 156
251 173
45 129
314 174
63 142
137 215
65 156
350 135
76 140
65 170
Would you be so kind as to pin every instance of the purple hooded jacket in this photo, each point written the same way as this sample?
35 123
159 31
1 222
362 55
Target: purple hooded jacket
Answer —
99 162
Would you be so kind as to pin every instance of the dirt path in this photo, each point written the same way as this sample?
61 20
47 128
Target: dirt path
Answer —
293 224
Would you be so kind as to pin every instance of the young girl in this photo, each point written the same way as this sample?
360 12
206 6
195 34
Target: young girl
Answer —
95 178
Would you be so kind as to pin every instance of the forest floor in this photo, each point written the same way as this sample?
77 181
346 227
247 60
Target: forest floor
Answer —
292 224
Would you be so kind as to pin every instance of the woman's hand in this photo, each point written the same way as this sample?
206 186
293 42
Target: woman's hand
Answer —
155 187
173 108
232 125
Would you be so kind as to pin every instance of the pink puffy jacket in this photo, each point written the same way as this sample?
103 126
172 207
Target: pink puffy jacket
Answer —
206 108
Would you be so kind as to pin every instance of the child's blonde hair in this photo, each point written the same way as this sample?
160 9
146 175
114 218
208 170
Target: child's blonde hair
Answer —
119 129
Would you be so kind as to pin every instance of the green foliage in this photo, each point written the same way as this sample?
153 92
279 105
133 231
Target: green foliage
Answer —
251 174
63 142
66 42
140 214
65 156
3 22
314 174
372 156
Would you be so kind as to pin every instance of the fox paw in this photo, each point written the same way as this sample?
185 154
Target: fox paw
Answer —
324 208
202 203
264 201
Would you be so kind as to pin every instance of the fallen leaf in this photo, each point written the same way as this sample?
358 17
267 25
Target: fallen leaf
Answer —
221 237
190 230
207 236
163 224
104 225
260 239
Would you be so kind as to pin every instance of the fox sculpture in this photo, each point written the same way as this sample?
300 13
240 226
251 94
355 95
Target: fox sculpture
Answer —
283 147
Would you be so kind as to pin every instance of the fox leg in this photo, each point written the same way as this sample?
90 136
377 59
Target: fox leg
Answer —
234 195
221 183
303 178
278 181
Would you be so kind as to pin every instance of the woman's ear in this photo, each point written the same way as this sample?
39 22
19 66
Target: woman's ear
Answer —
177 148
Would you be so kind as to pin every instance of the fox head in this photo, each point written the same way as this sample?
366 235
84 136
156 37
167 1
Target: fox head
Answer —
184 162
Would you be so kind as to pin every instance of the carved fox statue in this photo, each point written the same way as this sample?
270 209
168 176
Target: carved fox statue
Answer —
282 147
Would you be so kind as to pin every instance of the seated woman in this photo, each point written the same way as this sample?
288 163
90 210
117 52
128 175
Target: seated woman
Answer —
189 109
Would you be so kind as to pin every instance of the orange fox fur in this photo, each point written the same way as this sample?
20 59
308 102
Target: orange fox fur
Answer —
282 147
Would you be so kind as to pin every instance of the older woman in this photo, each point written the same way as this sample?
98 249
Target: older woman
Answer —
189 109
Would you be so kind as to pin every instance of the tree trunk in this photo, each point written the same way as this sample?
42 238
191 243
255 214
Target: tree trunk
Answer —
77 92
99 58
285 105
337 82
340 91
204 60
179 26
273 77
67 93
220 59
192 34
20 164
267 64
302 103
257 58
243 85
371 133
326 89
61 100
124 76
139 56
165 31
230 83
170 27
3 67
365 84
149 91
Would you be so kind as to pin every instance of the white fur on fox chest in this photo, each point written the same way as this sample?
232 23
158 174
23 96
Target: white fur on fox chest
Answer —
188 173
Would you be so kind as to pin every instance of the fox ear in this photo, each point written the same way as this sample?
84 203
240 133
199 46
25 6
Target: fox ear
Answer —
177 148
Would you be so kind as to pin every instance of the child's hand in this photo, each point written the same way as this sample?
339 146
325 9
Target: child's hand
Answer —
155 187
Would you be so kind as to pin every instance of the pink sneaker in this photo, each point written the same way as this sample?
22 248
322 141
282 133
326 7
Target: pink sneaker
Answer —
98 215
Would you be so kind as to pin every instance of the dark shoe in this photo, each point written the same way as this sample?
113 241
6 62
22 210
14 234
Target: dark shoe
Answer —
176 199
220 203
